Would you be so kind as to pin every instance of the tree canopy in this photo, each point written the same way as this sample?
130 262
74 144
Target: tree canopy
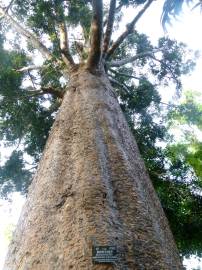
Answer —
70 34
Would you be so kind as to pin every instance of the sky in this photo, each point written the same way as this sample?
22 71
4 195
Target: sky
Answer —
185 29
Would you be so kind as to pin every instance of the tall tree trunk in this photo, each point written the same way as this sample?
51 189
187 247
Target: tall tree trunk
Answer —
91 188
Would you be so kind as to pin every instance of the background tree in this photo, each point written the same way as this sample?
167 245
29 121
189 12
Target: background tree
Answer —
135 69
180 192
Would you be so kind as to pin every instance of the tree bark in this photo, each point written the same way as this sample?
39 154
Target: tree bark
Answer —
91 188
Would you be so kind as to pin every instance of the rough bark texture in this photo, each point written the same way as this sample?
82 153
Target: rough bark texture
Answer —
91 188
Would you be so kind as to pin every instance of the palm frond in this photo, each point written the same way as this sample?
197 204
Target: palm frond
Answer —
199 4
171 10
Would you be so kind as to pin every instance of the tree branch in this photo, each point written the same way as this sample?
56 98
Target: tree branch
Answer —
110 23
64 47
124 74
9 6
166 66
53 91
132 59
141 55
120 85
169 105
96 35
33 93
46 90
129 29
29 68
117 9
28 35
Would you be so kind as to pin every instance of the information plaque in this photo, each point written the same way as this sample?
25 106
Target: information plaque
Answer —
104 254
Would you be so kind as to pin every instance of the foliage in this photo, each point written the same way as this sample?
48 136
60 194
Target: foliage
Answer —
23 119
189 117
181 197
8 232
13 175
